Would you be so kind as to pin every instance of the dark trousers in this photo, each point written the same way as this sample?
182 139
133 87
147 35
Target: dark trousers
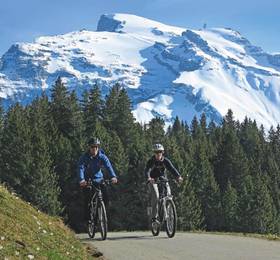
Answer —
87 194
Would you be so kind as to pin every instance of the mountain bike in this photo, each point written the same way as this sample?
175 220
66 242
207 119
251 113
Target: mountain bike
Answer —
97 211
167 211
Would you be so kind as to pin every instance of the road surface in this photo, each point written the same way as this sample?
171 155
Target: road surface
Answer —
195 246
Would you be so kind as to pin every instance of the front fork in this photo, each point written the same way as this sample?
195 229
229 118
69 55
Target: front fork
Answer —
98 209
94 205
165 214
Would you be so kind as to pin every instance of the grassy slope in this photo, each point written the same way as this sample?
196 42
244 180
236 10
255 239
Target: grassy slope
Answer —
26 232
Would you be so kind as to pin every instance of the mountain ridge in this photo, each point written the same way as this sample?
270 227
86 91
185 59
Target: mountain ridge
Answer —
168 71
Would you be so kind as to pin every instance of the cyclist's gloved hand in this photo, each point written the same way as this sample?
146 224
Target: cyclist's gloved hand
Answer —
83 183
180 179
151 180
114 180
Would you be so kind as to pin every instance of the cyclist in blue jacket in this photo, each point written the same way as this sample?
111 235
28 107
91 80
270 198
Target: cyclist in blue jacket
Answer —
89 166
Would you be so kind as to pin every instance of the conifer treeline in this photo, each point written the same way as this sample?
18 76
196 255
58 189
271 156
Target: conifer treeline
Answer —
231 171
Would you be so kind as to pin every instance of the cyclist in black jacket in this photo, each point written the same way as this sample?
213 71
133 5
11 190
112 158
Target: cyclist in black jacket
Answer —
155 168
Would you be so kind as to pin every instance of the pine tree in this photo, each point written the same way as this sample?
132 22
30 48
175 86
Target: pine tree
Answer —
16 159
229 120
263 211
155 130
116 153
59 108
272 166
256 212
180 132
245 205
203 123
175 153
118 115
190 212
76 120
230 208
206 189
176 127
66 146
92 110
274 142
273 171
195 130
44 188
111 106
252 143
230 162
134 195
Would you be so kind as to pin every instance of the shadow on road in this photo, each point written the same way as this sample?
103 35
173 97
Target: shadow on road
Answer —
132 237
122 238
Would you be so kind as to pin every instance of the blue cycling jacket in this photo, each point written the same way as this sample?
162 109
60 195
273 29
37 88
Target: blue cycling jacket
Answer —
90 166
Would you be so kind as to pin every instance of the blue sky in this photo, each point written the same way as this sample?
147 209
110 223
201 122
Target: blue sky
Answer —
24 20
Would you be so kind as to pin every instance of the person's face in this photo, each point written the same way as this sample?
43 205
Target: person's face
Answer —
158 155
93 150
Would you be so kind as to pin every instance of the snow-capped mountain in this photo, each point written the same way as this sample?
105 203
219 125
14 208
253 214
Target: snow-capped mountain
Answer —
167 70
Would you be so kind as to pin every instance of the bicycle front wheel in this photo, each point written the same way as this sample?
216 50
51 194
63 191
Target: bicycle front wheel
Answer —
91 223
171 220
102 220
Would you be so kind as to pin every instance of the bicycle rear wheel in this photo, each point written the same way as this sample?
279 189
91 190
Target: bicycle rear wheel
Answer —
102 220
155 228
171 220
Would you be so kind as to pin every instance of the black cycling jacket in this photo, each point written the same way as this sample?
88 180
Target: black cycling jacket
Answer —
155 169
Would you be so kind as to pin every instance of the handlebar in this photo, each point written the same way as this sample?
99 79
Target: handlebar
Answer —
158 181
104 181
162 181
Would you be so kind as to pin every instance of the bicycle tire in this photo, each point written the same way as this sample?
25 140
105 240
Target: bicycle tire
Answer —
91 225
156 227
102 220
171 221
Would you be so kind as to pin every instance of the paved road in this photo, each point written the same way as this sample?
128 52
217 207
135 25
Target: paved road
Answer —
142 245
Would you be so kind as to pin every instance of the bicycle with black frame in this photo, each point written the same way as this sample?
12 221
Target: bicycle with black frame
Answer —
166 211
97 210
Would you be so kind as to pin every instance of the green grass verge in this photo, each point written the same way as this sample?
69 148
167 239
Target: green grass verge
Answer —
27 233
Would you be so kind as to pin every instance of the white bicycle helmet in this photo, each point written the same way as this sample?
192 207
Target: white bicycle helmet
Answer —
158 147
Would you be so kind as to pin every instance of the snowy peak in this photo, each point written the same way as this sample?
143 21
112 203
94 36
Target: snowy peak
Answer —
128 23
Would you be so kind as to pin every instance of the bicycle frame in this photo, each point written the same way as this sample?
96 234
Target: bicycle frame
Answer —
163 197
97 210
163 204
166 211
96 195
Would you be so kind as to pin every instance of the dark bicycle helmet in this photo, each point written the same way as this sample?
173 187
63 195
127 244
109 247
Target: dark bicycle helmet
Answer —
94 141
